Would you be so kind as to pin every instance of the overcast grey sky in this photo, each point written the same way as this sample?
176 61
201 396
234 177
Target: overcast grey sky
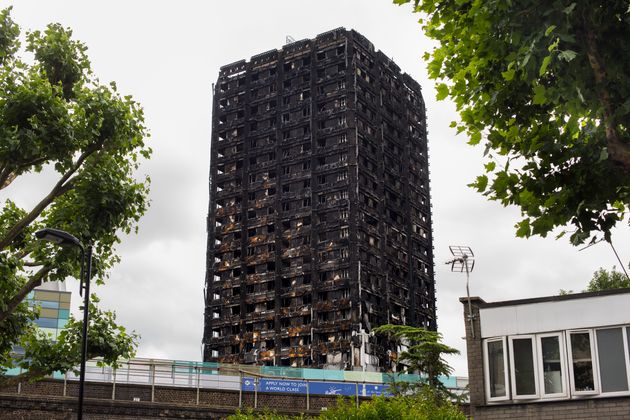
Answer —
167 55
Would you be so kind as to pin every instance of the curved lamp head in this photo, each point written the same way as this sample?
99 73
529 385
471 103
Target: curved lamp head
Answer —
59 237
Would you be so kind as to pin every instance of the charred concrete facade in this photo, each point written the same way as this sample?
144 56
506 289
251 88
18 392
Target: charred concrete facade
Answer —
319 223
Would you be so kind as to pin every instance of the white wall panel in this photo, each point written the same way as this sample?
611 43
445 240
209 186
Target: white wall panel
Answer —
540 317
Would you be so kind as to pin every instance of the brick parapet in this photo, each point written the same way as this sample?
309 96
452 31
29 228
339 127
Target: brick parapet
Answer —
46 400
474 352
610 408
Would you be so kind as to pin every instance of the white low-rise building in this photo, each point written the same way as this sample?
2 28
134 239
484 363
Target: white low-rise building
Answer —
536 355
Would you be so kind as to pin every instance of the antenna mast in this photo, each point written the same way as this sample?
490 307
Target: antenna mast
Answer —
464 260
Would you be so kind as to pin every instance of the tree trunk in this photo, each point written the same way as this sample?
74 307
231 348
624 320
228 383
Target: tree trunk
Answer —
62 186
33 282
618 151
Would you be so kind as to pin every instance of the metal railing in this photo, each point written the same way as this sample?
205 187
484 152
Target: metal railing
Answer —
242 379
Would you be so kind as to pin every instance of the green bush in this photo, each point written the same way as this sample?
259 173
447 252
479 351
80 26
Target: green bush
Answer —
422 406
265 415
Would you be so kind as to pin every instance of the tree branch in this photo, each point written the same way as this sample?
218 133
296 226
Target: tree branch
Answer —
6 178
36 161
68 185
618 151
33 264
23 253
7 175
33 282
3 174
58 189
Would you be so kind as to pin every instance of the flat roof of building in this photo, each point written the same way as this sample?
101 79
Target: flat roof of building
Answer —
553 298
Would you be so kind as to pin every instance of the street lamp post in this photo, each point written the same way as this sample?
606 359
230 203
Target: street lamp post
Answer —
63 238
84 343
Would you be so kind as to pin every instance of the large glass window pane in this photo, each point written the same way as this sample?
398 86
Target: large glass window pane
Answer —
612 361
496 369
552 365
524 376
582 362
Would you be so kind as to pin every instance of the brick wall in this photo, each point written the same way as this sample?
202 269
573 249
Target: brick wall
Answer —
474 352
58 408
602 408
46 400
610 408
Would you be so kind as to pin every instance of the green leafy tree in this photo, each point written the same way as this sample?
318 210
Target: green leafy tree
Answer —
606 280
424 353
56 117
421 406
42 356
546 88
603 280
265 415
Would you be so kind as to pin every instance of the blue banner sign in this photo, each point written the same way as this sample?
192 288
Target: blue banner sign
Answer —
288 386
333 388
275 385
375 390
248 384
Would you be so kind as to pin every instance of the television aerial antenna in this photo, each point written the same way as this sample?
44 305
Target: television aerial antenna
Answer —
464 260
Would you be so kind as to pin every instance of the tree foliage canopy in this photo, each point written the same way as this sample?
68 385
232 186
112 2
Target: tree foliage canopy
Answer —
546 88
606 280
603 280
57 117
424 352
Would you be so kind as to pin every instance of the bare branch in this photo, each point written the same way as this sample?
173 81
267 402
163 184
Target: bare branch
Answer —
8 175
69 185
4 172
6 179
60 188
34 281
33 263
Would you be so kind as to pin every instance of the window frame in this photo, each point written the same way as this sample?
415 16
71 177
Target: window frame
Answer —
563 365
486 370
566 365
594 362
624 339
532 338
